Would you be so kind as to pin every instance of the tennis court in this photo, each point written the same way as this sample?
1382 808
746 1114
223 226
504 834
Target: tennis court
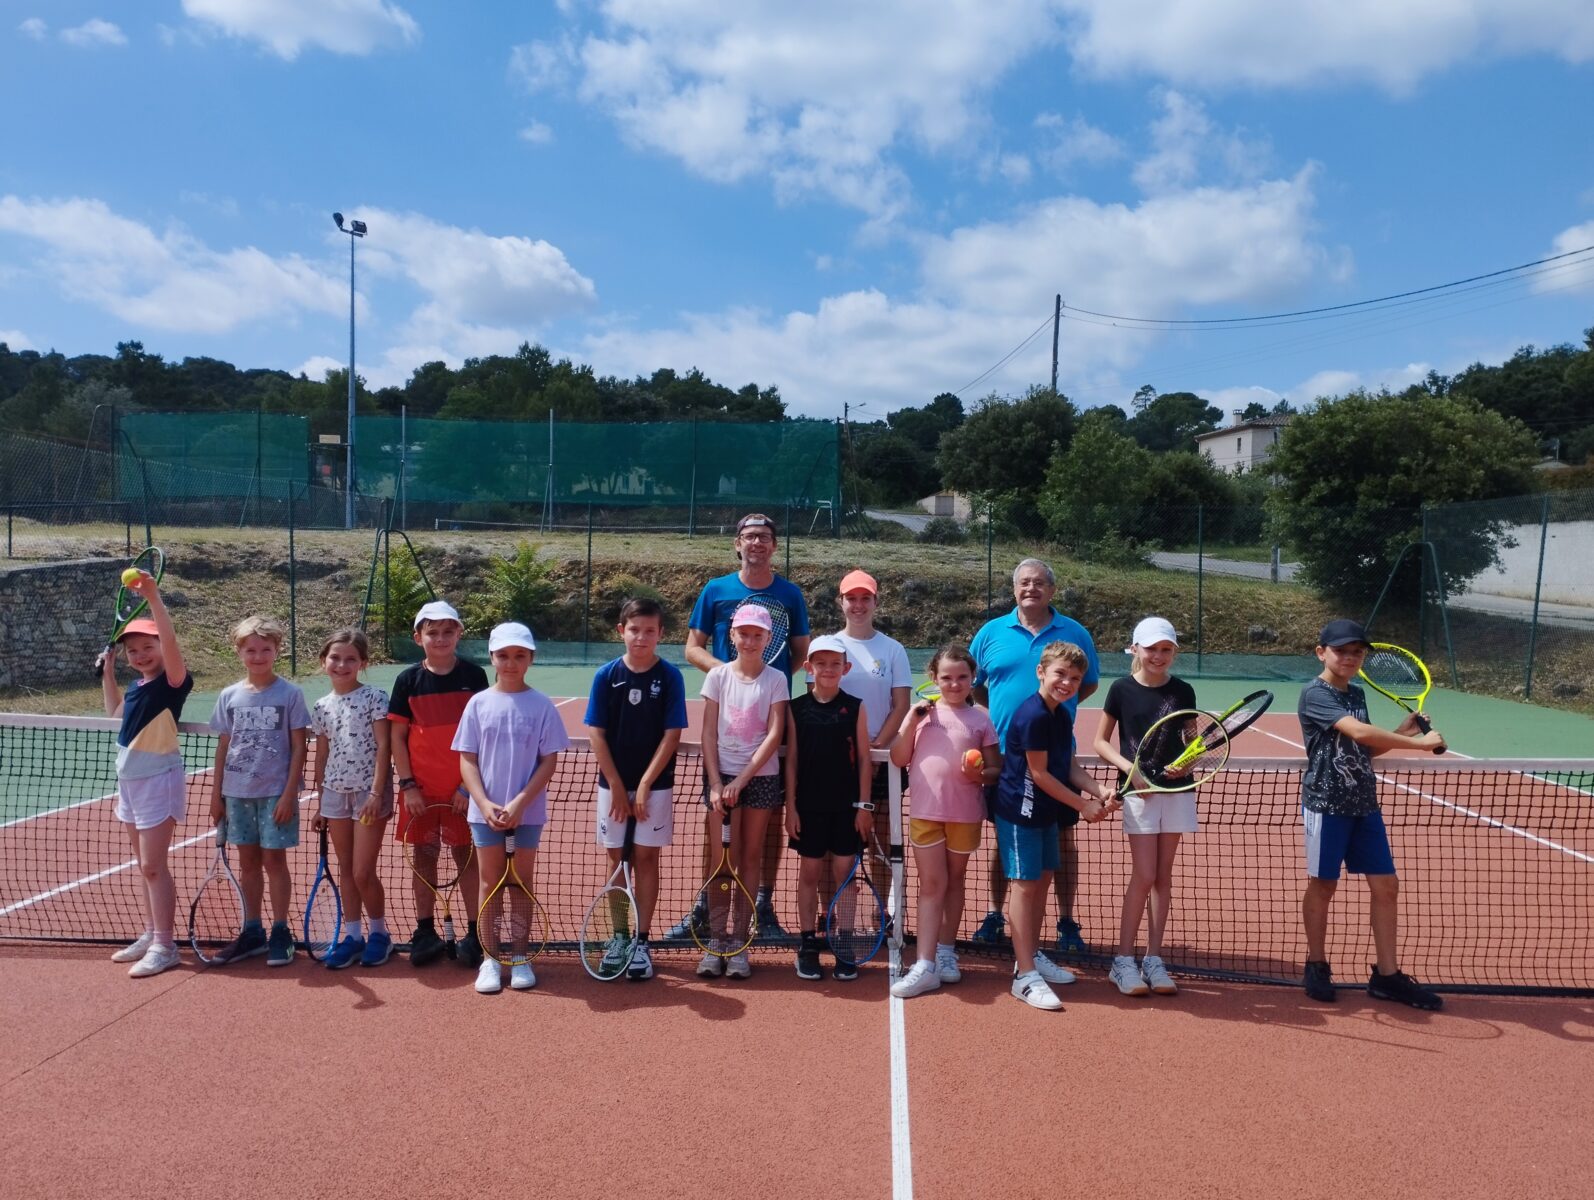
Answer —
1497 865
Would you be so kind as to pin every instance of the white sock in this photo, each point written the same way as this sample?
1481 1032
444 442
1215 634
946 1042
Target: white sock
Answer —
379 925
351 929
927 964
943 948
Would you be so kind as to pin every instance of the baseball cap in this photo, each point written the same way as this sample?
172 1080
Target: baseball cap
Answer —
752 614
436 610
859 581
1153 630
510 633
1342 632
756 521
829 642
142 625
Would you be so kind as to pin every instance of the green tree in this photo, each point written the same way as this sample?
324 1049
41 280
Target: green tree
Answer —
1004 445
1172 420
895 469
1355 473
1096 489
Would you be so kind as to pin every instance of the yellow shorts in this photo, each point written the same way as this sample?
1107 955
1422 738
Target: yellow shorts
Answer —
961 837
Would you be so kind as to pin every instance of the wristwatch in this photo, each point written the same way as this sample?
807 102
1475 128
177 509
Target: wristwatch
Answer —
865 805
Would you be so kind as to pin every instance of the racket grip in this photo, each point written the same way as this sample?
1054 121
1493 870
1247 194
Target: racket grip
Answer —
1424 724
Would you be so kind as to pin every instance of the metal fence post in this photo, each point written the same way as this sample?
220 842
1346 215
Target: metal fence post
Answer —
293 592
786 525
990 556
586 603
1538 588
1200 571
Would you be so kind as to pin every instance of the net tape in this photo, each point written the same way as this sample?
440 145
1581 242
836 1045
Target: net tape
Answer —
1496 861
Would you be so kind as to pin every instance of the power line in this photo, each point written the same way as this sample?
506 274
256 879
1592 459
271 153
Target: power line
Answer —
1005 358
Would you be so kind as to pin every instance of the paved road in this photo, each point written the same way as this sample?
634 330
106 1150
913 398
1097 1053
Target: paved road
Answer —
1563 616
908 520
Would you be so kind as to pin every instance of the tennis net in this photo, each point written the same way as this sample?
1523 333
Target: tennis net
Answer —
1496 860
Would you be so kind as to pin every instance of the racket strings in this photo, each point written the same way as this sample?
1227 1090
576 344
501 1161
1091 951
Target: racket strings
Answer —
322 917
215 916
1395 673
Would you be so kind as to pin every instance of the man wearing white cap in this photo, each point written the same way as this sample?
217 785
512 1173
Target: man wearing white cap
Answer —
427 701
1008 649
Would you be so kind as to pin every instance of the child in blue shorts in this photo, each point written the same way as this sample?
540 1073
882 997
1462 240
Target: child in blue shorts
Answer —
261 722
509 739
151 783
1342 821
1040 782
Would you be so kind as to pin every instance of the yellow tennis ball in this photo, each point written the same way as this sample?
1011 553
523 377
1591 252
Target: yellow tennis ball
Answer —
129 576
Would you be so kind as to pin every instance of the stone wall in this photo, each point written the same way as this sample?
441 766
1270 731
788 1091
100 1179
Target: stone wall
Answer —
53 620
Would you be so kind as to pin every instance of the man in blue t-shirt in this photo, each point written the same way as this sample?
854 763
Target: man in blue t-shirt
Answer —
708 645
1008 650
635 716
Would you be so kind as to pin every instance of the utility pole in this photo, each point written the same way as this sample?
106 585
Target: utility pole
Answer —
1057 323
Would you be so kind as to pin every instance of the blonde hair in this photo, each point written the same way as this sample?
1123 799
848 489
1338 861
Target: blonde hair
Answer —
1068 652
257 625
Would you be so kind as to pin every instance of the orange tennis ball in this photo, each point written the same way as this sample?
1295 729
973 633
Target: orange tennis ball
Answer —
130 576
973 760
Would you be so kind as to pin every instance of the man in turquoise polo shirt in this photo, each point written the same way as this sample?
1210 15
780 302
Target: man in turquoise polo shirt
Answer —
1008 650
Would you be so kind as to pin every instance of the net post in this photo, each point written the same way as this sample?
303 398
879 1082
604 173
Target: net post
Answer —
1538 589
894 851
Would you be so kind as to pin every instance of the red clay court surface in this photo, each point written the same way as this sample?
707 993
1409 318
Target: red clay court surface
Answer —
304 1082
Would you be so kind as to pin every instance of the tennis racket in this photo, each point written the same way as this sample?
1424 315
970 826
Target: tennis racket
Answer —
512 924
855 922
1180 752
323 911
1396 672
1234 720
779 622
730 926
611 927
926 693
129 604
217 913
423 854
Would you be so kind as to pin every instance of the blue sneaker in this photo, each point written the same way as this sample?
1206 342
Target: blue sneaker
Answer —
377 947
279 946
1069 940
992 930
344 953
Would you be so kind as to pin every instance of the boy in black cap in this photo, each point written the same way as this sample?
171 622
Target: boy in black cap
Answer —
1339 806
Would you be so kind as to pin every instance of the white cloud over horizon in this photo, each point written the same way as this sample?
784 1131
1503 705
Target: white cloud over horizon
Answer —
93 32
287 27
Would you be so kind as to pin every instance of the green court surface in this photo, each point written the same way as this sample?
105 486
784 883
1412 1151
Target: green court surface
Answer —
1476 726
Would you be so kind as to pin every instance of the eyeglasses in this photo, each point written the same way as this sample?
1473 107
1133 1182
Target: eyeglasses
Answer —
749 536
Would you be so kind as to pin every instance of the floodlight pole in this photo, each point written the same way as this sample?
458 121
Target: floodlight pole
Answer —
355 229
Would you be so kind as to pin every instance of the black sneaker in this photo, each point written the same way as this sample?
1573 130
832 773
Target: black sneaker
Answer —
425 946
681 931
769 925
279 946
470 950
1402 989
1319 982
846 970
808 958
250 943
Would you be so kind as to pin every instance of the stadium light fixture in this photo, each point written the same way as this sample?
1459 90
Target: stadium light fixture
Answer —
355 229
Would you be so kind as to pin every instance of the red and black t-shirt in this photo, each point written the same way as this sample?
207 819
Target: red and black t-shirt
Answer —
431 705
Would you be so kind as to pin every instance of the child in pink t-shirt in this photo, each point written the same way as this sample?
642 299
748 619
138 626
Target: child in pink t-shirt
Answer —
948 808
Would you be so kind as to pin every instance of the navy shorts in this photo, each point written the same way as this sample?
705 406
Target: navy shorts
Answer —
1360 844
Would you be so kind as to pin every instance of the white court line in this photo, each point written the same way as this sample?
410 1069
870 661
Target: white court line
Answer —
41 897
901 1142
1527 834
110 796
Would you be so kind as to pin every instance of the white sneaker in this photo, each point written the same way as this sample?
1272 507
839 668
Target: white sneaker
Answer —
489 977
1033 991
1050 971
712 964
946 964
136 951
522 978
1157 976
922 978
156 959
1125 976
737 967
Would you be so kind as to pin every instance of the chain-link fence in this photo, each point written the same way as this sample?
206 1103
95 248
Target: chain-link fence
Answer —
1497 596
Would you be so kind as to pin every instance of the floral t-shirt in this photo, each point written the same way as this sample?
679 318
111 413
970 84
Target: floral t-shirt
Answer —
345 733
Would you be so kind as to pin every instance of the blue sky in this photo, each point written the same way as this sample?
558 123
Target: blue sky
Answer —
859 203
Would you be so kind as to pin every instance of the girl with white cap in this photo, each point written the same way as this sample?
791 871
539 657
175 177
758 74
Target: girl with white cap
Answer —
1154 821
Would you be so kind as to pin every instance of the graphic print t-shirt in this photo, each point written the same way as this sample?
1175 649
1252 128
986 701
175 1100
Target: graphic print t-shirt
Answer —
634 710
257 725
1339 776
431 705
146 745
345 725
744 715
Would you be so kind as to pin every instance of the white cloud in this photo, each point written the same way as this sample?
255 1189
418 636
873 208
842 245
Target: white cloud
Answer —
1185 140
1336 382
34 28
94 32
286 27
15 339
1260 42
1015 168
541 66
315 368
536 133
224 205
1575 274
984 288
1075 140
817 97
169 280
